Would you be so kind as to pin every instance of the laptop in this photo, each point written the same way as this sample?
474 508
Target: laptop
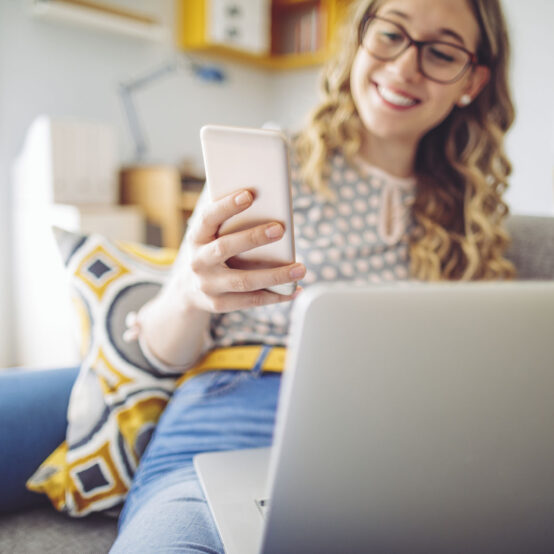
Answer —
411 418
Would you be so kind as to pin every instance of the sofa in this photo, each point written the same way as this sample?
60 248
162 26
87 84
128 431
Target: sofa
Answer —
44 530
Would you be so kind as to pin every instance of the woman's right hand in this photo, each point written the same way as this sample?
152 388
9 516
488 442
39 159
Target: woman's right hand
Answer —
209 283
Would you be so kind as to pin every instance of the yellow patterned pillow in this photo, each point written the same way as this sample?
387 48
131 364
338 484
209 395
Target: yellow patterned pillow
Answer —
118 396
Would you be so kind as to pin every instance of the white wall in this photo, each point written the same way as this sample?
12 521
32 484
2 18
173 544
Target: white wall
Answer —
5 251
530 144
294 95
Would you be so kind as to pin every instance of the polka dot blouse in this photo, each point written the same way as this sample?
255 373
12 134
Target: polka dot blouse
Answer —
360 236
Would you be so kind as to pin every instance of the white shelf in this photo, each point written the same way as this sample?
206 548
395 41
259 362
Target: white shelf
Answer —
95 15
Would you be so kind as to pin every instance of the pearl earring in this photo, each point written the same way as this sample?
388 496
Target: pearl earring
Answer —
465 100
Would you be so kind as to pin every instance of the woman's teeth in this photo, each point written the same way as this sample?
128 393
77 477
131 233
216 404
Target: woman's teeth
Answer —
396 98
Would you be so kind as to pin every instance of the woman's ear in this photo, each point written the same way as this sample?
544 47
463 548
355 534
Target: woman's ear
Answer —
477 81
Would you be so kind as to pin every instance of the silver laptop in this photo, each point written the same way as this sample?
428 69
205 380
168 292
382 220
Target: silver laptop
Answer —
412 418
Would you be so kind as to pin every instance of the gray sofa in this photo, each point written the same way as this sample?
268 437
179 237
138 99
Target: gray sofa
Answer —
44 530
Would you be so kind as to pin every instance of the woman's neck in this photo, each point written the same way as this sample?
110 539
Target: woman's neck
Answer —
396 158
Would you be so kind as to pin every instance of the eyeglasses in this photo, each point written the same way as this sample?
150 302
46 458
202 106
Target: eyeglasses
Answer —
439 61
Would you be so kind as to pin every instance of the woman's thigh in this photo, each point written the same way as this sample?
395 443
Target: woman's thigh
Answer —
166 510
33 416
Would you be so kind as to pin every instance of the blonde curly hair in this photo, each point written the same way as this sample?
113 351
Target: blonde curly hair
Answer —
461 166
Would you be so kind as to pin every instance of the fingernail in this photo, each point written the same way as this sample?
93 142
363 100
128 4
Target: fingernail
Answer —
242 198
297 272
297 292
273 231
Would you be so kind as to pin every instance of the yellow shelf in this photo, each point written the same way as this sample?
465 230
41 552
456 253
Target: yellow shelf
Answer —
296 61
286 3
191 33
277 62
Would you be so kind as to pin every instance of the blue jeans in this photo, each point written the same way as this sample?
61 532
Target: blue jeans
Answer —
165 510
33 408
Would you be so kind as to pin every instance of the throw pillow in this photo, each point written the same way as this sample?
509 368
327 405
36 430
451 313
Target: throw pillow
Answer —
118 395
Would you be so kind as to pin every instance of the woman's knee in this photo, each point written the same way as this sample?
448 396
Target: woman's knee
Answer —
174 518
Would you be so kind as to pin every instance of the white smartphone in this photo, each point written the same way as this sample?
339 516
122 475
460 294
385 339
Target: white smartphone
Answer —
258 160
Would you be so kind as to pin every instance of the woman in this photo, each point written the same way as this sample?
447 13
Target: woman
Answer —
400 173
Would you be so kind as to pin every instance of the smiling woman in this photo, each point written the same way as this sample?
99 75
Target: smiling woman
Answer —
450 130
397 175
427 77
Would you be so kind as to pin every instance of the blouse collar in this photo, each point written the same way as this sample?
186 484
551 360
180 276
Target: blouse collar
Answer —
406 183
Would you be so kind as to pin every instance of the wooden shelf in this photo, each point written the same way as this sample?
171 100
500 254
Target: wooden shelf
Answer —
283 61
192 34
102 16
157 190
188 201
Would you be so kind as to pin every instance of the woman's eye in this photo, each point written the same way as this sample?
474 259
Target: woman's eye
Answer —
440 55
391 38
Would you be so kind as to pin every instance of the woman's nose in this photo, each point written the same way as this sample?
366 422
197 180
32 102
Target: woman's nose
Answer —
406 65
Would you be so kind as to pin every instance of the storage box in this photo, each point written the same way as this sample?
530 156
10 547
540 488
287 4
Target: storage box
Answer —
67 161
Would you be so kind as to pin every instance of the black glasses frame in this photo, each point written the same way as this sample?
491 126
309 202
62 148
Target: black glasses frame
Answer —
419 44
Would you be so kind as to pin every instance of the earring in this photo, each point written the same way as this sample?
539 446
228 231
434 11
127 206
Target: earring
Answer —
465 100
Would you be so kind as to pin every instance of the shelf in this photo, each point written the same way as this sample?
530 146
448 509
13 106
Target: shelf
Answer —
102 16
301 33
288 3
296 61
299 28
157 190
188 200
282 61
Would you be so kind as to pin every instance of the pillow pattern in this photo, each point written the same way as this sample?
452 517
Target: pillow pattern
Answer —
118 395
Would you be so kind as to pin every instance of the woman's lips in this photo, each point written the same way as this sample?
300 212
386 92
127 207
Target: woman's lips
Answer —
395 98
